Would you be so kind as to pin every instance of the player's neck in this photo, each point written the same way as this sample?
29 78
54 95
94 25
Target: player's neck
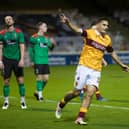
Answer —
40 33
11 28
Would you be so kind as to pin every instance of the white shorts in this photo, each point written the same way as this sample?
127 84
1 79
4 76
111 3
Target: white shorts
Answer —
86 77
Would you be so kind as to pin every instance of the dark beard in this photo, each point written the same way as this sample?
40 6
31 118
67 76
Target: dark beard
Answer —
8 26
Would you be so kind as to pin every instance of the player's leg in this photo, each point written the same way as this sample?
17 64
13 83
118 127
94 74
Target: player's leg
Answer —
22 92
45 72
92 82
42 76
20 80
85 105
6 91
78 86
39 87
45 80
6 75
41 81
69 96
39 78
98 95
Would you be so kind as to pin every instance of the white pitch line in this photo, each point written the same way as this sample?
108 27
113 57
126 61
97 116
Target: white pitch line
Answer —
77 103
110 107
9 97
95 105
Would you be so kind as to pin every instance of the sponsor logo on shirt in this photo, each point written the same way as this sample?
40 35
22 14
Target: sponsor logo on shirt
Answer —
11 42
42 45
95 44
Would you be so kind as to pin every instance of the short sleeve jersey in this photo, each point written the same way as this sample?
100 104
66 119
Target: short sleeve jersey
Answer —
93 49
11 41
39 48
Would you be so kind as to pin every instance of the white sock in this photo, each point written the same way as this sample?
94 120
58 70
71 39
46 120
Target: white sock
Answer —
40 94
6 99
22 99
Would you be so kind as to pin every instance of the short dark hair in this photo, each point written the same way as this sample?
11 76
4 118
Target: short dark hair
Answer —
98 20
39 24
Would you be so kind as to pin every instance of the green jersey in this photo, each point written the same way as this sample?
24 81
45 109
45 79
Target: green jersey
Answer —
11 41
39 49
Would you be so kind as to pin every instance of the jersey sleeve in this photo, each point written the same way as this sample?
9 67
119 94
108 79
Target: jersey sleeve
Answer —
84 33
31 54
31 48
32 40
1 38
21 37
109 48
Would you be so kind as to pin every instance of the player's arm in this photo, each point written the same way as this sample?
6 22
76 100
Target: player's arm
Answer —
1 47
1 62
114 56
51 43
22 51
31 49
73 27
1 51
22 48
117 60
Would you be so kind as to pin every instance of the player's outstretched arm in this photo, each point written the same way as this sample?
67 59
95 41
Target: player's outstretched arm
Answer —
1 62
116 59
73 27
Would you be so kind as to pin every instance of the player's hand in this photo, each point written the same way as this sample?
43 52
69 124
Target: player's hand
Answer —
1 65
53 41
21 63
125 68
63 18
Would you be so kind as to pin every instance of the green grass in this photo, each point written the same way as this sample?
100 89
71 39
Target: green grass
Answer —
111 114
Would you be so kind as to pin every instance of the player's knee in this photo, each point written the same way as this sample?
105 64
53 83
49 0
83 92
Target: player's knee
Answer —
90 93
6 81
76 92
71 95
20 80
45 78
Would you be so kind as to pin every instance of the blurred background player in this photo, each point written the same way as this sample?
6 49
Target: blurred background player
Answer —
40 44
88 72
12 59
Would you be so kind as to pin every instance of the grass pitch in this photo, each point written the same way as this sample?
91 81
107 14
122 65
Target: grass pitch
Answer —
111 114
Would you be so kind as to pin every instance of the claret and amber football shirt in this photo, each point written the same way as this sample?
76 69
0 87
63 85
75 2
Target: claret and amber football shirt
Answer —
93 49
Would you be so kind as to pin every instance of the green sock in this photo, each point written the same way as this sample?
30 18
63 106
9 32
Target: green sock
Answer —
43 84
22 89
6 90
39 85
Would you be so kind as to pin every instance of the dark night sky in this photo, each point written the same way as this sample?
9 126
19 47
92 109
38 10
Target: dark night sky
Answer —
87 5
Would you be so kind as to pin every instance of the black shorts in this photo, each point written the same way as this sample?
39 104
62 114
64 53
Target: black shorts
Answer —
11 65
41 69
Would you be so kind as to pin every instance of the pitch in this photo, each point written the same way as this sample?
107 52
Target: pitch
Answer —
111 114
